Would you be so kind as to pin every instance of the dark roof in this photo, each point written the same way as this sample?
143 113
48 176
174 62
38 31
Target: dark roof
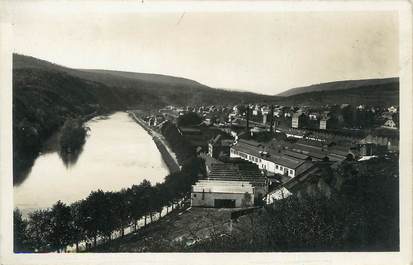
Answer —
342 151
189 130
295 155
236 172
303 168
299 181
335 157
249 147
284 160
265 152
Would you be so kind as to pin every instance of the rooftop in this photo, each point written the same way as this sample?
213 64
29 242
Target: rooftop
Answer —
236 172
222 186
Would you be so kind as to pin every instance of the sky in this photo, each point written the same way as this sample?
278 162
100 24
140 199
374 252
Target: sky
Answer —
263 52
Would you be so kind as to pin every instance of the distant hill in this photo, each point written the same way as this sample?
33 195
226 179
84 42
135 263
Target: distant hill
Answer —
158 89
339 85
23 61
155 78
370 91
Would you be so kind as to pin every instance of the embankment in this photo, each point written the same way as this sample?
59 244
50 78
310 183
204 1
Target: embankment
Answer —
167 155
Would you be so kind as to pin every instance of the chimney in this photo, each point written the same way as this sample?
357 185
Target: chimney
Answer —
271 118
248 117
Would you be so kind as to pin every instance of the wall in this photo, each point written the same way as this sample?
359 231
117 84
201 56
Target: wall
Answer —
209 198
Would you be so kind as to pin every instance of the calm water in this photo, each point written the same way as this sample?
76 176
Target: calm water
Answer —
117 154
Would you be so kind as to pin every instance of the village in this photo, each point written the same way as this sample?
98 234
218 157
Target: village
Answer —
257 153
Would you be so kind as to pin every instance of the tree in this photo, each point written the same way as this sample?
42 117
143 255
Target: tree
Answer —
61 227
107 221
136 209
20 232
39 228
77 234
146 198
91 210
160 199
120 209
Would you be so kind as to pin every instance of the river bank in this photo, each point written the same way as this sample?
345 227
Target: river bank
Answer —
167 154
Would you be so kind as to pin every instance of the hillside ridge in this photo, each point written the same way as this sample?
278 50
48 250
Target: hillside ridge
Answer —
338 85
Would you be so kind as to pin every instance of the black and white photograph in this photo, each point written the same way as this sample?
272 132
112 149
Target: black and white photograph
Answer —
205 128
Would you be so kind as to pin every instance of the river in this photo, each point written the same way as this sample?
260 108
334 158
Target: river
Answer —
117 154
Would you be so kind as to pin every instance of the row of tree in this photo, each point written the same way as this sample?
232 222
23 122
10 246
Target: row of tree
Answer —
101 213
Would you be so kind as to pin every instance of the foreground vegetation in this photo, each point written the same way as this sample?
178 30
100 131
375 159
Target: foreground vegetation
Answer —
100 214
362 214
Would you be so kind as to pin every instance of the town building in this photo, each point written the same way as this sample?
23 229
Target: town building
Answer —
390 124
270 160
323 123
392 109
222 194
292 132
313 116
296 120
229 185
257 130
390 143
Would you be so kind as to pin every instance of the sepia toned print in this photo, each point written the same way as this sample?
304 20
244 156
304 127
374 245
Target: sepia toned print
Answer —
206 132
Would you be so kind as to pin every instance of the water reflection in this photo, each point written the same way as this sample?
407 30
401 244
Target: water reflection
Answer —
22 167
70 158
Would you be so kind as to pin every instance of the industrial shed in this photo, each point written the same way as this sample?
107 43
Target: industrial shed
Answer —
222 194
229 185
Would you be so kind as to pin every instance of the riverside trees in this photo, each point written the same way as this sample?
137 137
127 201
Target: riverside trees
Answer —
100 214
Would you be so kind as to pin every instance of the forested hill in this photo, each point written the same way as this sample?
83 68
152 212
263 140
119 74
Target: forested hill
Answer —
382 92
139 89
339 85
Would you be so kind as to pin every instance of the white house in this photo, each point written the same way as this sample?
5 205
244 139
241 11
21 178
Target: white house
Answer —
392 109
222 194
390 124
283 163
